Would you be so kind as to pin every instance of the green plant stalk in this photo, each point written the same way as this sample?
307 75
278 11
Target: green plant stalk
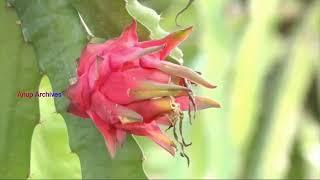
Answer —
18 116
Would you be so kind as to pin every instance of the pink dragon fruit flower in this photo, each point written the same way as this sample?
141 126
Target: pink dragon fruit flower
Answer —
126 86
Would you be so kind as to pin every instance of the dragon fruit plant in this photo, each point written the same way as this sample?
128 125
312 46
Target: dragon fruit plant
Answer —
120 113
126 86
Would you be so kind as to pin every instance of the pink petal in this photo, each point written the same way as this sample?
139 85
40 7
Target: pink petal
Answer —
108 133
118 84
156 42
79 95
176 70
76 110
152 131
121 135
122 54
201 103
88 56
150 109
89 53
163 120
112 112
148 74
129 35
170 41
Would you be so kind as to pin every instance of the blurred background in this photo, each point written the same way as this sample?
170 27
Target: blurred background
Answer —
264 57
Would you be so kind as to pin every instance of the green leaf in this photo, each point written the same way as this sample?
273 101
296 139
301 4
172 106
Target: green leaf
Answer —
55 30
50 152
106 18
18 116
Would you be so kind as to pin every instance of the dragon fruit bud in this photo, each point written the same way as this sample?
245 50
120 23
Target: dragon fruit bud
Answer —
126 86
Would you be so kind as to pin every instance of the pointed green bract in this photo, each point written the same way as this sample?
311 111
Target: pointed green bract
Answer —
51 156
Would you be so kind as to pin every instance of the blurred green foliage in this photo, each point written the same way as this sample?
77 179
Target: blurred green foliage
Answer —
264 56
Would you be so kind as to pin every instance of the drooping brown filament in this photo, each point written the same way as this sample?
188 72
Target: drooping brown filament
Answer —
192 102
176 116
